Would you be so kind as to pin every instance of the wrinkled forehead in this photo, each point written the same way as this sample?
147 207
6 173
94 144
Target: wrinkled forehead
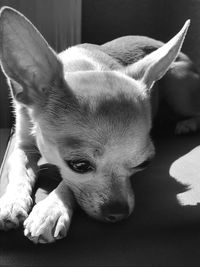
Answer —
112 121
131 145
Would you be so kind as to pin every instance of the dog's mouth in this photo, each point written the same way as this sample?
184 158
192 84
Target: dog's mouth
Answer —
108 218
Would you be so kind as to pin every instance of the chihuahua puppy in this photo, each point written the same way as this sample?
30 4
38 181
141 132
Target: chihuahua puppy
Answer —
87 110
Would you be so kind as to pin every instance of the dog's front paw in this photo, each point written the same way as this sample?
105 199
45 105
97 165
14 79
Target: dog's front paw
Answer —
48 221
186 126
13 210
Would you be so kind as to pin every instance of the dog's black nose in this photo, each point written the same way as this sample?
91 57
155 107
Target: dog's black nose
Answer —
116 211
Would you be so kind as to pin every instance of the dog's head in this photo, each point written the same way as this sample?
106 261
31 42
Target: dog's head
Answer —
94 125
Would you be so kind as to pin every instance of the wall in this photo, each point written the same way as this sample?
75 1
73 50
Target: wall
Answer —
104 20
107 19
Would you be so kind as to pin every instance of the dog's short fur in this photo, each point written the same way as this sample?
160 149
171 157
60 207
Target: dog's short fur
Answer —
87 111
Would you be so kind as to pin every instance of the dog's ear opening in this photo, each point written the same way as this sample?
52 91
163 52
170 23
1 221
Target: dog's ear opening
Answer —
153 66
26 58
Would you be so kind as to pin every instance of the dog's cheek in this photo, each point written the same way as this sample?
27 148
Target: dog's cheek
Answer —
90 201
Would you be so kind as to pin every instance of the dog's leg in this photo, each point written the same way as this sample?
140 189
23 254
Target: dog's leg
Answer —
187 126
51 217
16 201
21 174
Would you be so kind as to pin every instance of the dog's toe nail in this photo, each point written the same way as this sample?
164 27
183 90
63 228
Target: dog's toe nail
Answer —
26 232
60 234
44 240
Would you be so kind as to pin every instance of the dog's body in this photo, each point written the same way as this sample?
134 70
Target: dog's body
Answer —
89 113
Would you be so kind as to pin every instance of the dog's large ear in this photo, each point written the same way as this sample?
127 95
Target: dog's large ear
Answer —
153 66
26 58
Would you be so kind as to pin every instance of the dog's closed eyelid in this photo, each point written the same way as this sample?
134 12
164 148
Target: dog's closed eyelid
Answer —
144 164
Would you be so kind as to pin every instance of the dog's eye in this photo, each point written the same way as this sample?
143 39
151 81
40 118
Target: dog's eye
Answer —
80 166
144 164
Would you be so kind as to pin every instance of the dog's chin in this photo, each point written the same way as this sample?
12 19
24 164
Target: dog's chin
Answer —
97 215
101 218
94 210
